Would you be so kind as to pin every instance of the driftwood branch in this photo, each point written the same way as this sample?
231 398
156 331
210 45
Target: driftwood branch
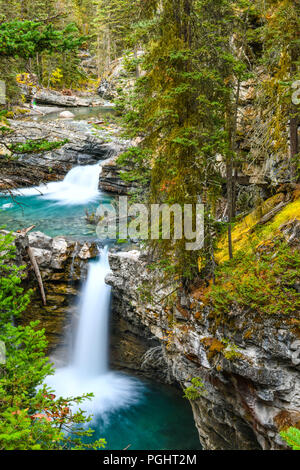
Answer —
24 231
37 273
23 234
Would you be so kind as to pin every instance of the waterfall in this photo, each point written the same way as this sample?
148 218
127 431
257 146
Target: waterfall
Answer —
91 347
88 371
79 186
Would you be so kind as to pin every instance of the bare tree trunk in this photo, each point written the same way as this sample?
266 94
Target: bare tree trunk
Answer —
294 122
229 176
37 273
229 169
137 67
235 146
294 142
108 48
24 245
98 56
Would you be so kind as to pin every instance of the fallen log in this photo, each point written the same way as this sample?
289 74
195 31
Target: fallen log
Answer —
37 273
23 234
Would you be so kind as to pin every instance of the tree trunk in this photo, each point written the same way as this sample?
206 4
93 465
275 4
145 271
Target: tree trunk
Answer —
229 168
294 122
294 142
137 67
37 273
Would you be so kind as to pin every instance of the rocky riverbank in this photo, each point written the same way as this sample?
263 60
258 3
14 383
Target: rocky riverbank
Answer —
82 144
63 267
68 98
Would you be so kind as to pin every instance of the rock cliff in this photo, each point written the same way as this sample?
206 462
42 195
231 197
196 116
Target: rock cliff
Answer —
84 146
63 267
248 361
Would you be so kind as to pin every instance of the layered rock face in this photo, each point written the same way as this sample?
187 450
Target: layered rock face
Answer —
56 98
63 267
251 380
111 181
82 148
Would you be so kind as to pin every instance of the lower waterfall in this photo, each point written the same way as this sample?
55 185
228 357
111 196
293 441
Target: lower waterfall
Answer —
91 346
88 371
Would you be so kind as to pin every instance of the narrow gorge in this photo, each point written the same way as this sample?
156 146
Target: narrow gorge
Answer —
150 225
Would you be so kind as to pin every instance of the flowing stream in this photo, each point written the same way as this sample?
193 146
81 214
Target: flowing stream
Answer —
126 410
88 371
57 208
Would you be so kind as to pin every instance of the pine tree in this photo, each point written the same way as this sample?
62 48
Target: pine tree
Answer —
31 417
186 106
276 132
113 21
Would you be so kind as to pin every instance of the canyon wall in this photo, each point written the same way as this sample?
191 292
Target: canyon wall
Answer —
251 383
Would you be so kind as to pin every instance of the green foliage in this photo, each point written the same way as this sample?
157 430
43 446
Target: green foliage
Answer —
292 438
135 163
36 146
113 21
31 417
27 38
196 390
12 300
262 280
41 47
183 107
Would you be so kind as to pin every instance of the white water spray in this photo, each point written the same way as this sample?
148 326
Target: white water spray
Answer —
79 186
91 347
88 372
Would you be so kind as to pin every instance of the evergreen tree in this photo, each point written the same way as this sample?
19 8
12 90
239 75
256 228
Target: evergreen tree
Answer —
186 107
275 133
113 22
31 417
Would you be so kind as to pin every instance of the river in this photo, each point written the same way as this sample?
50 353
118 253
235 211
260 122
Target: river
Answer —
128 411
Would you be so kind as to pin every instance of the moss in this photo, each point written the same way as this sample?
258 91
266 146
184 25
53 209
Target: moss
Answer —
196 390
245 233
262 281
248 334
264 273
214 346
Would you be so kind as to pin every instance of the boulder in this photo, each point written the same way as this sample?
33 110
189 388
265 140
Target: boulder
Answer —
111 181
66 115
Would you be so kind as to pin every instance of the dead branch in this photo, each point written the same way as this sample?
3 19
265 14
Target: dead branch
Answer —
23 234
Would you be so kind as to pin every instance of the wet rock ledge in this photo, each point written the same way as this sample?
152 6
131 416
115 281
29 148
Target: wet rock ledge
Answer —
82 147
111 180
63 267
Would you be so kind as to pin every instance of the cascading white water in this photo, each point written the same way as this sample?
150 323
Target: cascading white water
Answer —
88 372
91 347
79 186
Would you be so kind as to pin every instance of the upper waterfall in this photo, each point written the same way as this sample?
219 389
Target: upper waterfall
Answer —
79 186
